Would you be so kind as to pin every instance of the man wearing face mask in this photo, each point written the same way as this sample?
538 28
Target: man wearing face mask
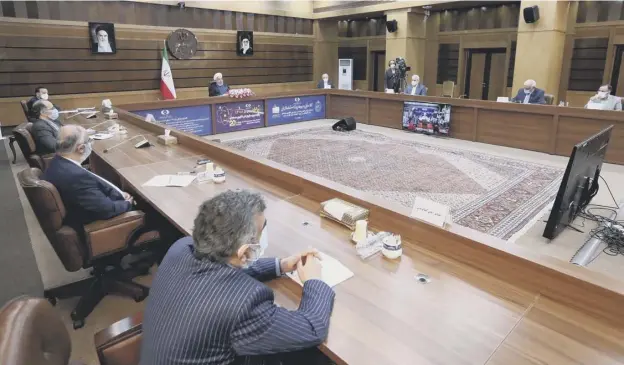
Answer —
324 83
530 94
603 100
208 305
45 128
41 93
391 76
218 87
87 196
416 88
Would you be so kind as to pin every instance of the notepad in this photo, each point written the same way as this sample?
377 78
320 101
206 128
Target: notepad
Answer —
170 180
333 272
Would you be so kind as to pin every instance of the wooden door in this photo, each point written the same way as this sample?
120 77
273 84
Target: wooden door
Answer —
380 70
476 74
496 83
617 79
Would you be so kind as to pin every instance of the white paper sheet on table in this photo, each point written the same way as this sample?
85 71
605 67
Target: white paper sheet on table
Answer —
170 180
333 272
101 136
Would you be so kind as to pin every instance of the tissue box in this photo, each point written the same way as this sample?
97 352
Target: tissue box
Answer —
167 140
343 212
111 116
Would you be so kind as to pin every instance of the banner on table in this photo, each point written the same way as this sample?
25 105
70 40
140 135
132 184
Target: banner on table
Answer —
297 109
239 116
428 118
191 119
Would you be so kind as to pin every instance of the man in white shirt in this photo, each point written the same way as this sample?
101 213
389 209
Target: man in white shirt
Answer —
87 197
603 100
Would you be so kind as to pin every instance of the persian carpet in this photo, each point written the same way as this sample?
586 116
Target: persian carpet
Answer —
491 194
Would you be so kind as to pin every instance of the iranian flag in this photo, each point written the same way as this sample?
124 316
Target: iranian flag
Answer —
166 79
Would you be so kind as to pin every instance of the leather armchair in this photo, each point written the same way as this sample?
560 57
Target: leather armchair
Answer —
100 246
120 343
32 332
21 135
24 104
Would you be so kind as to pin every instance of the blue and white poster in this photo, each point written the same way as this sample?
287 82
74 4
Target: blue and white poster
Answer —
191 119
239 116
298 109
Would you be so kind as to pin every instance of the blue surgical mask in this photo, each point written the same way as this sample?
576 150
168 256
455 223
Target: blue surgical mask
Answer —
54 114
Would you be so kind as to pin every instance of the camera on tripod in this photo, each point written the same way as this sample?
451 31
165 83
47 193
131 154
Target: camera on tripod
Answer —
401 81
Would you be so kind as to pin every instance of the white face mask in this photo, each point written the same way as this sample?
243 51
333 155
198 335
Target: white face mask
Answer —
220 82
527 90
414 83
44 97
325 79
602 94
87 152
257 250
392 66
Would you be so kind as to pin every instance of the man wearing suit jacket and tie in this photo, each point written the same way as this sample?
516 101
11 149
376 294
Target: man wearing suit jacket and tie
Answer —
324 83
208 305
530 94
416 88
45 128
86 196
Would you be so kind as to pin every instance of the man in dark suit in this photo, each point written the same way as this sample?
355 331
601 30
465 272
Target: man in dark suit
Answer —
87 196
324 83
41 93
45 128
218 87
530 94
416 88
208 305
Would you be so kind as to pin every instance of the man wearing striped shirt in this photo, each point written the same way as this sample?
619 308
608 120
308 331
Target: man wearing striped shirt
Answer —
208 305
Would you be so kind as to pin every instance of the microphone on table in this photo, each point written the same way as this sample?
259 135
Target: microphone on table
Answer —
142 144
99 124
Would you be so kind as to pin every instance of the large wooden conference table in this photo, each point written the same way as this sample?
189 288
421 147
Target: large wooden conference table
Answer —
488 302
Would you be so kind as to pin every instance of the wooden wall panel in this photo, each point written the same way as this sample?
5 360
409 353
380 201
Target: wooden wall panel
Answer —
463 123
573 130
129 12
63 62
386 113
480 17
345 106
495 127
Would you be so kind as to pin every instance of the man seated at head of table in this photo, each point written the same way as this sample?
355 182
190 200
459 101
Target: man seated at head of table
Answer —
218 87
324 83
530 94
41 93
45 127
208 305
416 88
603 100
86 196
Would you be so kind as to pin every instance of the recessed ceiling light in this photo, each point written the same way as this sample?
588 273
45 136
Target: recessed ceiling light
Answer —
427 7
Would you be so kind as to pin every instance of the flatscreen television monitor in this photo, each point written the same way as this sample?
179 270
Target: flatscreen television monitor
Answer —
580 182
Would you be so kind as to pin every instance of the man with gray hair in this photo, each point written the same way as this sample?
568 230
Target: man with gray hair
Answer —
218 87
530 94
208 305
87 197
324 83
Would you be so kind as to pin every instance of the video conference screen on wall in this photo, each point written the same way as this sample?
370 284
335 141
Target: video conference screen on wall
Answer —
427 118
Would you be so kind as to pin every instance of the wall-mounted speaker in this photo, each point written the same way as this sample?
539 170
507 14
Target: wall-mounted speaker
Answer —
392 26
531 14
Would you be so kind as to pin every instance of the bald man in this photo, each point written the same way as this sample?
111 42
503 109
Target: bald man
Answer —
530 94
218 87
87 196
45 128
